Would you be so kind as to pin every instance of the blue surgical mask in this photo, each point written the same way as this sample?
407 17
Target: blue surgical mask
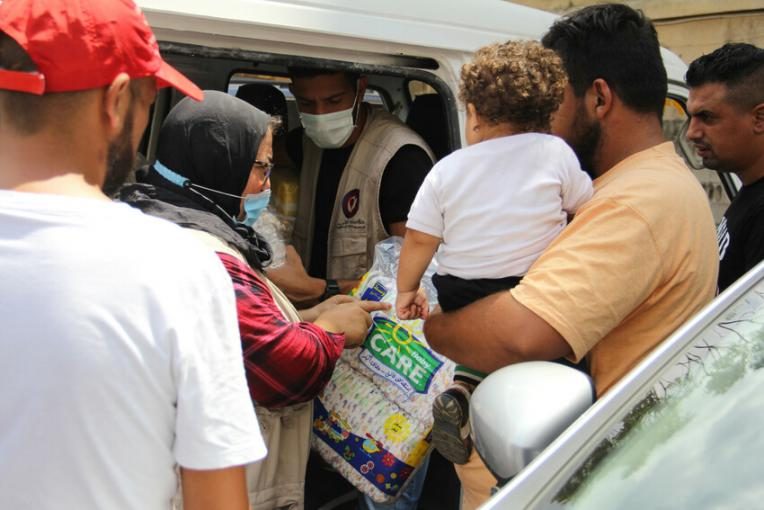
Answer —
254 205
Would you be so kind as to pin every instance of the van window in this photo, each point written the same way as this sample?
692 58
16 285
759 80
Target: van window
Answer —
418 88
271 93
427 116
227 69
675 121
292 121
418 104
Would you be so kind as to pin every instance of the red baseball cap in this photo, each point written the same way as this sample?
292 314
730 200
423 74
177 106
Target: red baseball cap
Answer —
84 44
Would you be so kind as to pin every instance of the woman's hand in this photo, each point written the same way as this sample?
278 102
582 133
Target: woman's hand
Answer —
351 318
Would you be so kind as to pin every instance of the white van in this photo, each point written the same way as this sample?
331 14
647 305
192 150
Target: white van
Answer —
406 48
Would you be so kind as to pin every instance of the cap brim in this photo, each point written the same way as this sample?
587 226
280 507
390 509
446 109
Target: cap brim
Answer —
168 76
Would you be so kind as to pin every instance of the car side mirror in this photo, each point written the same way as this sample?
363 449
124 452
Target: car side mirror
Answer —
519 410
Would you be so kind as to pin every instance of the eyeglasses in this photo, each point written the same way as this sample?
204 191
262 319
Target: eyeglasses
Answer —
265 165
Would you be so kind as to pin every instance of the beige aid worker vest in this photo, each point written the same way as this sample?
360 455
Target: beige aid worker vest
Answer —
278 481
356 223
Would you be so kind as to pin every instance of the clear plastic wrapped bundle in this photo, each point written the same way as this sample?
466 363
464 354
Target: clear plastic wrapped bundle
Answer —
373 420
272 228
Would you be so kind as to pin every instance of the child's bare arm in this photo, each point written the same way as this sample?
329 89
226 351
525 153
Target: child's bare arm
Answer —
416 253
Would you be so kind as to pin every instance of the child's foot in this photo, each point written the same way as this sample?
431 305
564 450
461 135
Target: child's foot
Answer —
451 427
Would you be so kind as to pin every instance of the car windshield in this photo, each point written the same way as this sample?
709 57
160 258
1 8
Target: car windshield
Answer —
694 441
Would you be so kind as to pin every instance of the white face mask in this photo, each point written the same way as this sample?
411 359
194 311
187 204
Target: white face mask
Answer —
329 130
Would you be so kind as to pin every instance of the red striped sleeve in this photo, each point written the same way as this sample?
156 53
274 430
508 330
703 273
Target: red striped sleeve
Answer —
286 363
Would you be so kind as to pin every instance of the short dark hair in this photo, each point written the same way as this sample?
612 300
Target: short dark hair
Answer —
267 98
617 44
312 72
739 66
28 113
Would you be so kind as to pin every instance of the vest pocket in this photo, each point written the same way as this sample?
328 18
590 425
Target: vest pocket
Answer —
349 259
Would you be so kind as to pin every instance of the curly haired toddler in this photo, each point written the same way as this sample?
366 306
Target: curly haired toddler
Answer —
490 209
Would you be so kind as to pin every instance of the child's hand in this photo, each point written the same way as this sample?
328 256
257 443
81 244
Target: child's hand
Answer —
412 305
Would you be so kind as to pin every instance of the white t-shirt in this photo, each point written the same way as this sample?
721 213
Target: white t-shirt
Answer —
498 204
120 356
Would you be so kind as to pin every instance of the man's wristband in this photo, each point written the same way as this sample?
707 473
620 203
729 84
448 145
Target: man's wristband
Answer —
332 289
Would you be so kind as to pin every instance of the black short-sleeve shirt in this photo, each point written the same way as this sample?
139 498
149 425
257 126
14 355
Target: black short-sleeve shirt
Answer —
741 234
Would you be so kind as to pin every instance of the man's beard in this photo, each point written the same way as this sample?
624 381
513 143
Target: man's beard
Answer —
713 163
120 157
586 139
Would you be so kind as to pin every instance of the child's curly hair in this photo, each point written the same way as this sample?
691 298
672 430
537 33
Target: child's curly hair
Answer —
519 82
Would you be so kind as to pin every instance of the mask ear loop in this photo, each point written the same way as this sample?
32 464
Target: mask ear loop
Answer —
186 183
193 185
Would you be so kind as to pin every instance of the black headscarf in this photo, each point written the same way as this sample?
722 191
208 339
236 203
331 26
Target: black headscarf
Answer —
212 143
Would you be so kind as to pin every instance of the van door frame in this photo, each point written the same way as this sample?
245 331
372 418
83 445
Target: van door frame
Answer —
248 61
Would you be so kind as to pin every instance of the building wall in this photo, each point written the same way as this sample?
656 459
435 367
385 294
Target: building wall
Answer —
689 28
691 38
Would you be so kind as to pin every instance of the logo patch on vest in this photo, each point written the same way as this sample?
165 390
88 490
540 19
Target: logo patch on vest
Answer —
350 202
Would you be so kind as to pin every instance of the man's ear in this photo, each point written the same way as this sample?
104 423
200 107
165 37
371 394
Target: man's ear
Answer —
603 97
363 82
116 104
758 118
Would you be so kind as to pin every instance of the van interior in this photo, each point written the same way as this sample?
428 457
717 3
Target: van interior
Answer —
407 89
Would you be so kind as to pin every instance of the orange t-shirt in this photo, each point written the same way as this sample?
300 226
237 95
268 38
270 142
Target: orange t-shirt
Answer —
637 261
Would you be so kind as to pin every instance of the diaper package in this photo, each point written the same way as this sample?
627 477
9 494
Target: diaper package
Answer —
373 420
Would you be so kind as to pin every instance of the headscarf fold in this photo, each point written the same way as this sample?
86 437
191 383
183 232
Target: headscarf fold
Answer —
213 144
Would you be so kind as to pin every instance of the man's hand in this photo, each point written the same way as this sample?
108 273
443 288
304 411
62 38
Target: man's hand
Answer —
301 288
350 318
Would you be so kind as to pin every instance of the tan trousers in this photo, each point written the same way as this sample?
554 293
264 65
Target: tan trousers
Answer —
476 480
278 481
